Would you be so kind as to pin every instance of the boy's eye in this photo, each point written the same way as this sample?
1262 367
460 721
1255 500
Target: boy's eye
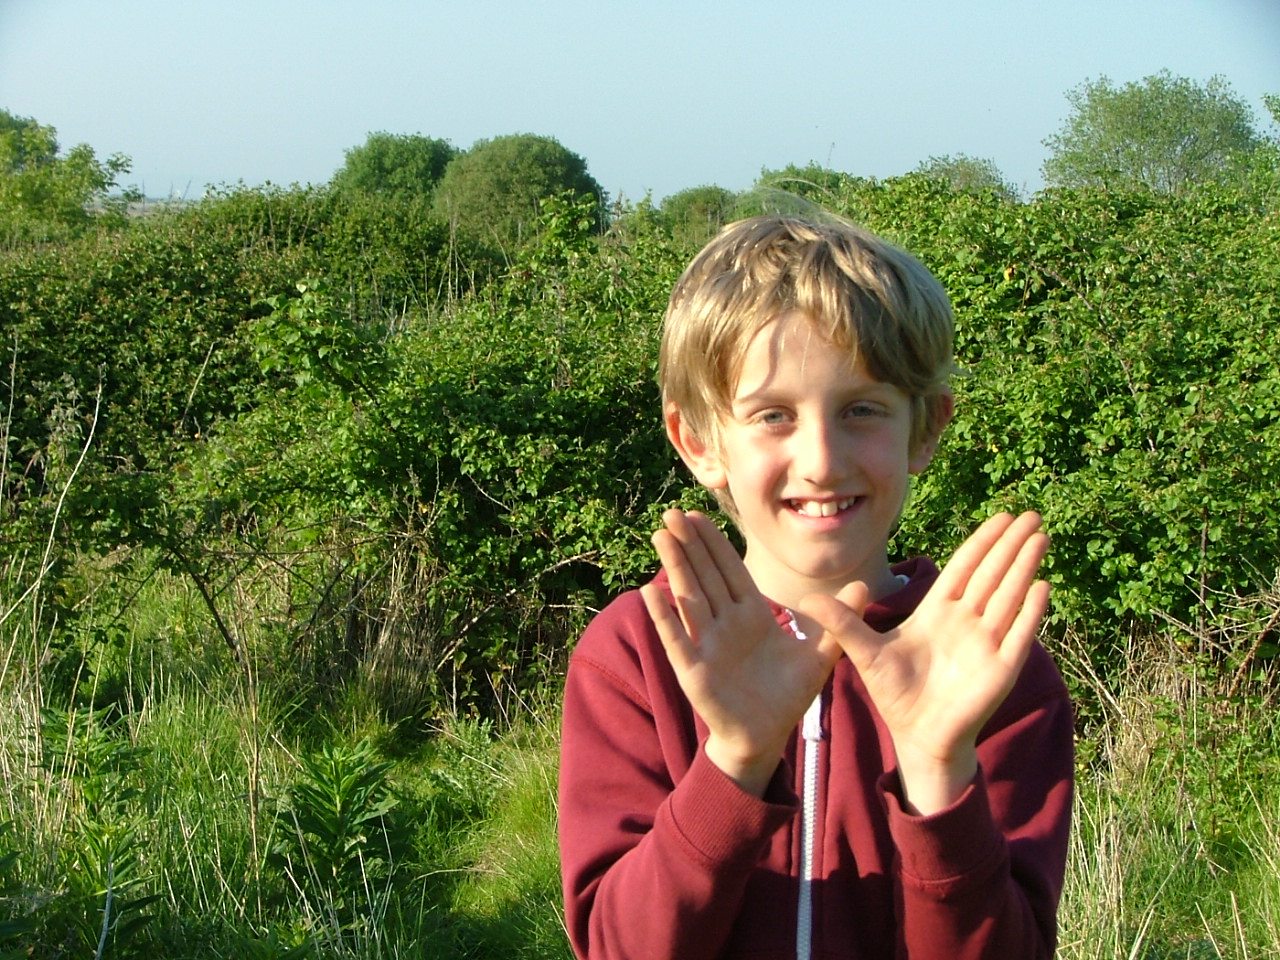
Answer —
863 410
772 416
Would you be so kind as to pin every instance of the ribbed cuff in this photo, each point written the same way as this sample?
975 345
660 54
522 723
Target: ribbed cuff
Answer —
720 822
960 841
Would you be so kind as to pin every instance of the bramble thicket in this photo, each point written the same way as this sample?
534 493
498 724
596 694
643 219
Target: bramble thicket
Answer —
445 477
390 467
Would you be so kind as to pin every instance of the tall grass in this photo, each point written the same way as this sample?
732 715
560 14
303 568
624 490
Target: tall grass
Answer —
164 801
1176 841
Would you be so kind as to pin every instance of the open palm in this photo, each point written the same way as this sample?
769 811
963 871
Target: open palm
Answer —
939 676
748 678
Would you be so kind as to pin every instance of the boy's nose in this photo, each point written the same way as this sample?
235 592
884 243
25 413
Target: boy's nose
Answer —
817 456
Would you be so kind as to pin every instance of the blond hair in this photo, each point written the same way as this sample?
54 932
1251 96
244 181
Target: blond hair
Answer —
866 297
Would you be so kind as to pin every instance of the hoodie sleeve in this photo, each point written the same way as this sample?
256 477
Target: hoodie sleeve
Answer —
644 817
982 878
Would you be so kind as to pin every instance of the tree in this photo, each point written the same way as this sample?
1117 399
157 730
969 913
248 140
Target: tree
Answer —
698 213
1271 136
813 181
45 196
399 165
802 191
1165 134
492 192
967 174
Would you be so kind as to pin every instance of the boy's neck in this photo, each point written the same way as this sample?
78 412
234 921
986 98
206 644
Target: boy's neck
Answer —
789 591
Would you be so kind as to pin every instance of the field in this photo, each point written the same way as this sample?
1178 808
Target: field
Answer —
190 810
305 500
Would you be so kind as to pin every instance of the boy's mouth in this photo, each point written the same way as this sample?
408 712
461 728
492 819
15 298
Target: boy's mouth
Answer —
821 508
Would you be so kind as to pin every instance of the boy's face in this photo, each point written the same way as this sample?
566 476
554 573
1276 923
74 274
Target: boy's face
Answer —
817 457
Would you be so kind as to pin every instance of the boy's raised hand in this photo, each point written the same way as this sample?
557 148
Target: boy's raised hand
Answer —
939 676
748 678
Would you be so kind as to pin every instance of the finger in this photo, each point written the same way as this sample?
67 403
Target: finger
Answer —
1010 594
841 624
954 578
725 556
855 596
697 561
680 648
690 599
684 559
1001 558
1022 634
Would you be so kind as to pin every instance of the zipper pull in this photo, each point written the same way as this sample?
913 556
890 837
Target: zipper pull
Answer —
811 729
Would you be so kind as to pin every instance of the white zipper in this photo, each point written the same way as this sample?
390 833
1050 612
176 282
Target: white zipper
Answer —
811 731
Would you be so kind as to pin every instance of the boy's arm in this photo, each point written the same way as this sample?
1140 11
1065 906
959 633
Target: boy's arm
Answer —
658 835
982 878
656 842
979 805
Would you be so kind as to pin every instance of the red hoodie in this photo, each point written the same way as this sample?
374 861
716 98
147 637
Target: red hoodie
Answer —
663 856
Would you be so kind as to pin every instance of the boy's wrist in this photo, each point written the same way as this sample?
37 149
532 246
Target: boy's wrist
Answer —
752 774
930 784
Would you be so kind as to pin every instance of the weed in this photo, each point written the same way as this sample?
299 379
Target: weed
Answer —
335 841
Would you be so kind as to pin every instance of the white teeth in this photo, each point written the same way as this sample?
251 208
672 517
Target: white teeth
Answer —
821 508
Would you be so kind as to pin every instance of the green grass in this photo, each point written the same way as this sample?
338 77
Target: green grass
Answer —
209 806
1175 851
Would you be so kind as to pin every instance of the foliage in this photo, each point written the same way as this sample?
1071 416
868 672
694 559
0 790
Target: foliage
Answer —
285 474
452 476
696 215
403 166
1174 840
392 256
491 193
1173 854
964 173
1272 103
492 471
127 346
336 842
514 899
15 921
105 900
45 196
153 801
1165 134
1121 379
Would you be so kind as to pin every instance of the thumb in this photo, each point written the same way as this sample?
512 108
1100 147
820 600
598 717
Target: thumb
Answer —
840 618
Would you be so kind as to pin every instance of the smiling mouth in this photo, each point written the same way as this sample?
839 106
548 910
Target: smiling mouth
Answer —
821 508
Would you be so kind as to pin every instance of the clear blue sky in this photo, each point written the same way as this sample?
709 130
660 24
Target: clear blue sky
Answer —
656 96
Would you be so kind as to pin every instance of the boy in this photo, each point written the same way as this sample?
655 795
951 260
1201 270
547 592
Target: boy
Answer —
807 752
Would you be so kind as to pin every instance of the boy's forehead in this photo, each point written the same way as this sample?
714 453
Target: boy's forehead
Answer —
792 337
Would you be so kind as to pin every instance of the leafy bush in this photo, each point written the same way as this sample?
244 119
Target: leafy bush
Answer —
492 193
131 339
404 168
1121 379
450 474
468 478
46 195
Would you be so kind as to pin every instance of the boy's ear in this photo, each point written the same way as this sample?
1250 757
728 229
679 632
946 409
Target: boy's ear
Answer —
922 452
701 459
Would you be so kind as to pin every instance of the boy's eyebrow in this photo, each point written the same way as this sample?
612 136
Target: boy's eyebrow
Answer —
768 393
762 396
